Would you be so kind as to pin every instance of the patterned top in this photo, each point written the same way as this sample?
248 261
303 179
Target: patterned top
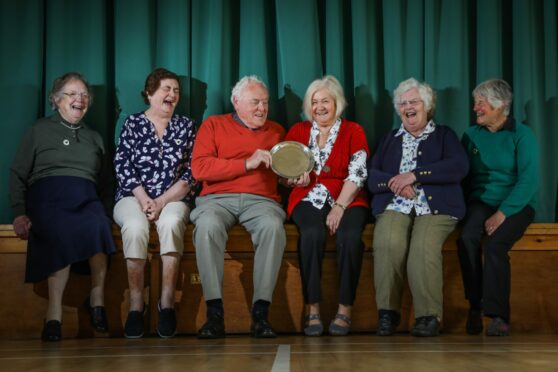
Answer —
142 158
319 195
408 164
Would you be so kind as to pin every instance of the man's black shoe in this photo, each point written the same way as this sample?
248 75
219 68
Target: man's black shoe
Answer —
426 326
388 321
214 327
261 328
474 322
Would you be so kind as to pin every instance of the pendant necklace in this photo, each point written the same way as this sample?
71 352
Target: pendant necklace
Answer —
74 129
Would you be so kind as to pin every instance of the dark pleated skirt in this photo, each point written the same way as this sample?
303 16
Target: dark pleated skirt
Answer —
69 225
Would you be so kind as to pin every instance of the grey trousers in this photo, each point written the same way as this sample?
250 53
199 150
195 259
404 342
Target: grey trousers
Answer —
408 245
262 217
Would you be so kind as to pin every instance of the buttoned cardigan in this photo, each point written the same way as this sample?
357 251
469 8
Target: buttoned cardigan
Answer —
441 165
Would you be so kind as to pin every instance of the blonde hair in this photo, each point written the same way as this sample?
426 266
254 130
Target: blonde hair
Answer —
332 85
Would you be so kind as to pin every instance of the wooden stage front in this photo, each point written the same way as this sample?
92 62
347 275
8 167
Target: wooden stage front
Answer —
534 294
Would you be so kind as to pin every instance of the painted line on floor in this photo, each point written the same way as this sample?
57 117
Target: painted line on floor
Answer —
282 361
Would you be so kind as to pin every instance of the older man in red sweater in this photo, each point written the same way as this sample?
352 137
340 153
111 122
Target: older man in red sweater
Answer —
231 157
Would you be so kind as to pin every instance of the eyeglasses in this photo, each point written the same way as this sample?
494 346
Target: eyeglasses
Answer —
413 103
74 95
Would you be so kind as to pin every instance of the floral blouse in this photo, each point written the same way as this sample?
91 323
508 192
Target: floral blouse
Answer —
410 145
142 158
319 195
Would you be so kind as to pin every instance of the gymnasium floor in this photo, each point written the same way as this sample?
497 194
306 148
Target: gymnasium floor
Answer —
520 352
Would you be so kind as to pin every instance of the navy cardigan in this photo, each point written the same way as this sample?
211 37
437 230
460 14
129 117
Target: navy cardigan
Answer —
441 165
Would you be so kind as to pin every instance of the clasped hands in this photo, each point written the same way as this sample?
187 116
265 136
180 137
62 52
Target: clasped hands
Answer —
402 185
152 208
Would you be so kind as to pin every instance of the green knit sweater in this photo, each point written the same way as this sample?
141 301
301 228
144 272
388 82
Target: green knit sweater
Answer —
50 148
504 166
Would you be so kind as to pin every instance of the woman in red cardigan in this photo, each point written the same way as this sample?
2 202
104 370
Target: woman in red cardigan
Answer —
331 199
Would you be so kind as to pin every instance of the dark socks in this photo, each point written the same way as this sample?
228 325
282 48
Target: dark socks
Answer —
260 309
215 308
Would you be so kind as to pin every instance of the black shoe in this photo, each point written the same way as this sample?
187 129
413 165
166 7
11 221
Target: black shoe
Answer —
166 326
474 322
134 326
214 327
261 328
426 326
98 316
52 331
498 327
388 321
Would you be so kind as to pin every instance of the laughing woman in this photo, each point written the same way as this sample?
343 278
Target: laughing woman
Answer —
58 178
329 199
415 177
154 180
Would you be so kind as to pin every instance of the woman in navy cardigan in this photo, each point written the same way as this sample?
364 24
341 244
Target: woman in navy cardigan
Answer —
415 177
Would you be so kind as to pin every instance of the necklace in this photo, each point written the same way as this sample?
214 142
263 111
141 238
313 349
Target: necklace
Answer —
70 126
66 141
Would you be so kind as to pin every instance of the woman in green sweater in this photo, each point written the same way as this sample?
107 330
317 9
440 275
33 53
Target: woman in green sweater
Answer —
502 185
58 178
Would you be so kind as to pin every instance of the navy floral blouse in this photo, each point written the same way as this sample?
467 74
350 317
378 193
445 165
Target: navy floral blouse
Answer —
142 158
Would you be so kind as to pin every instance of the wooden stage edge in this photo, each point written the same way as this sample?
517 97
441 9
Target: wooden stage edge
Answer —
534 297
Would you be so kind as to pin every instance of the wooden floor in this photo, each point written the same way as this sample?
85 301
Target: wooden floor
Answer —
520 352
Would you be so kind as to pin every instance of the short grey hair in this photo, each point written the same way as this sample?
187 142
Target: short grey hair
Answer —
334 88
243 83
427 95
497 92
60 83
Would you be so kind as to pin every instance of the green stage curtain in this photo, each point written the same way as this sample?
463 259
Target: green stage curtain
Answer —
369 45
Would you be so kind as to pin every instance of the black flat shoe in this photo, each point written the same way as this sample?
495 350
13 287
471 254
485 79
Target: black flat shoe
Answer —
98 316
134 326
166 326
52 331
214 327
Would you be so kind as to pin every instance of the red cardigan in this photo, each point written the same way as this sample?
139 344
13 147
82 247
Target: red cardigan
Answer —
350 139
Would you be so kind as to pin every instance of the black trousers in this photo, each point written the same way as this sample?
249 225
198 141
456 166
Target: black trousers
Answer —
349 247
488 286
